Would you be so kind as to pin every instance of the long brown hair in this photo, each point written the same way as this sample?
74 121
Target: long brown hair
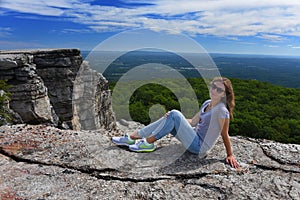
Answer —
228 99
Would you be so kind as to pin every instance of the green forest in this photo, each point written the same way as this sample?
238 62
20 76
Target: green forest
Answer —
262 110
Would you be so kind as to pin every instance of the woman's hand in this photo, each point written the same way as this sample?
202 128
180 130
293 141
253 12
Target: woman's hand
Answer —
167 114
232 162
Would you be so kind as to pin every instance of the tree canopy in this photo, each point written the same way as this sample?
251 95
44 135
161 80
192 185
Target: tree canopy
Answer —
262 110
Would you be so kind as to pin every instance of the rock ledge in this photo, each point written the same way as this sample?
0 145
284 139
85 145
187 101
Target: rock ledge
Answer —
43 162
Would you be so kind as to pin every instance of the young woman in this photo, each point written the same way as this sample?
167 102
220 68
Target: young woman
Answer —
199 134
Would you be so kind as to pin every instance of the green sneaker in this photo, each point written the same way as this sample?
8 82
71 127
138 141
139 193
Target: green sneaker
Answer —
142 146
123 141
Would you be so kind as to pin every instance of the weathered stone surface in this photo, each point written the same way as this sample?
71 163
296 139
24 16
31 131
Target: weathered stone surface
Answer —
29 95
92 100
45 162
43 89
58 68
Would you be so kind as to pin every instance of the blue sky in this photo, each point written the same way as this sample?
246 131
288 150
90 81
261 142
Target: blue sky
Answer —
220 26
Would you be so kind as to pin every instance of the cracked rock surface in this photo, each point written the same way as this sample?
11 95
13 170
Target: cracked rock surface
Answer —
43 162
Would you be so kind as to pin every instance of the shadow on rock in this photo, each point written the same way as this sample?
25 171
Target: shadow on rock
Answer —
169 159
188 162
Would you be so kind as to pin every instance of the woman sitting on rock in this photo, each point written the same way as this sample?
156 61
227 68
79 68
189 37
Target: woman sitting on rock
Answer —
199 134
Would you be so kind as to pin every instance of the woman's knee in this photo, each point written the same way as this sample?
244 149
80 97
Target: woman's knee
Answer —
175 113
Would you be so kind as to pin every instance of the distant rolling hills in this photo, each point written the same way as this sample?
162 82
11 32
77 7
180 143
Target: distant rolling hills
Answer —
278 70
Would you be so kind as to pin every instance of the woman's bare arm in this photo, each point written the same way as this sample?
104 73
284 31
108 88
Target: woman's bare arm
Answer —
224 124
195 120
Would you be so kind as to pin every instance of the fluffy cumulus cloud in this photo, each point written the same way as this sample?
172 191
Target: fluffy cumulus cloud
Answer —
271 20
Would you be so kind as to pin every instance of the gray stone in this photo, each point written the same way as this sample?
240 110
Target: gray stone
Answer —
28 93
92 100
9 61
43 84
43 162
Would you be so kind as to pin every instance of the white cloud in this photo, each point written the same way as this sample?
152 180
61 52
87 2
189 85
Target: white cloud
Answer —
271 20
293 47
247 43
68 31
34 7
5 31
275 38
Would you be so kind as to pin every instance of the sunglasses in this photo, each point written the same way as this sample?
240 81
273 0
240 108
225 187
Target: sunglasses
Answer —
214 87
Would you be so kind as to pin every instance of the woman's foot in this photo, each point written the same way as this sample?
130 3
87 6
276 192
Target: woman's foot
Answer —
134 135
150 139
142 146
127 139
123 141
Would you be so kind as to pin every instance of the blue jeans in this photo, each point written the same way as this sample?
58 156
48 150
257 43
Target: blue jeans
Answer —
176 124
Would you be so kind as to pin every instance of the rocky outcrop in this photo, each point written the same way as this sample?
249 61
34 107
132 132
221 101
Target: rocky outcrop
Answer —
42 162
43 84
29 94
92 100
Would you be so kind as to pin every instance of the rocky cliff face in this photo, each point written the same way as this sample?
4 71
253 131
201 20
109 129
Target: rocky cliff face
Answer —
42 162
43 83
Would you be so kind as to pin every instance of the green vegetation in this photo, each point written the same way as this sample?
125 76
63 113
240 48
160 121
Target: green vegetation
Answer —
262 110
266 111
4 97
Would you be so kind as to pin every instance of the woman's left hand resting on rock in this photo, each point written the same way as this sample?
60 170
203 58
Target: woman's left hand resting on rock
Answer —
232 162
225 136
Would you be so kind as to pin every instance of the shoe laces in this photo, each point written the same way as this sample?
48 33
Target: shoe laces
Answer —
140 142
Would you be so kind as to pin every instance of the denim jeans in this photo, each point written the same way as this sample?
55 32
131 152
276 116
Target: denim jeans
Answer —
176 124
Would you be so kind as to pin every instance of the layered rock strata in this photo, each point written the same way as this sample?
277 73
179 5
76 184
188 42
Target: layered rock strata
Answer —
43 88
